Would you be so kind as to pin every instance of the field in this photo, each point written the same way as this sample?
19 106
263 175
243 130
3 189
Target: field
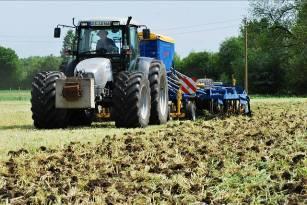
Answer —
214 160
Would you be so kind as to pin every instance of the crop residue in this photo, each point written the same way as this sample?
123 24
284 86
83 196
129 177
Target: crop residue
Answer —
239 160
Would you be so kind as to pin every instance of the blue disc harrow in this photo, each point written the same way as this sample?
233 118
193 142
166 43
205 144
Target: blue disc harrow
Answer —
215 97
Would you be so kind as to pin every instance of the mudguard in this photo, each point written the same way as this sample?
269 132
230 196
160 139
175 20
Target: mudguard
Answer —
143 65
98 68
68 67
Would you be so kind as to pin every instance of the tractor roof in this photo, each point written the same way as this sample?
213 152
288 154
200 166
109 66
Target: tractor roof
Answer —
122 21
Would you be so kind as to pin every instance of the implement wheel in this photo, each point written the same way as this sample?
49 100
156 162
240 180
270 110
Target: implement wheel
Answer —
131 100
190 110
245 109
44 113
159 94
248 111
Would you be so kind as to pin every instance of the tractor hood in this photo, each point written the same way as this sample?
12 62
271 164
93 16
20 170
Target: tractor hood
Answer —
98 68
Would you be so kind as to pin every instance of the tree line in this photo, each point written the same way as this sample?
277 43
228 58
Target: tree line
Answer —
17 73
277 51
277 54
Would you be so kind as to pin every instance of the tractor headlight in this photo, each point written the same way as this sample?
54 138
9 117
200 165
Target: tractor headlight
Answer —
83 23
88 75
115 23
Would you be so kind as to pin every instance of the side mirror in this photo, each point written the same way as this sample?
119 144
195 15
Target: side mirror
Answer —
68 52
57 32
146 33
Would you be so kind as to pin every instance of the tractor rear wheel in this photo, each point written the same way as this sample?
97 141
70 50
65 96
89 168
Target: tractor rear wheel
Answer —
131 100
159 94
44 113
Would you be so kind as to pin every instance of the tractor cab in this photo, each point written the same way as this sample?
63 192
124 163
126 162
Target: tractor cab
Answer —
114 39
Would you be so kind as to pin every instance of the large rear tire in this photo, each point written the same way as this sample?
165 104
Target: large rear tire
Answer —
44 113
131 100
159 94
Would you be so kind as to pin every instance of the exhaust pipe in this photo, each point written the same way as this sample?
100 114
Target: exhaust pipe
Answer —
128 20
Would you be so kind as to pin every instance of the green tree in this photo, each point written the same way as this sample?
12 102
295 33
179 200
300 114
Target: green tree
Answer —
277 47
267 57
177 61
297 74
32 65
68 44
231 60
200 64
280 15
8 68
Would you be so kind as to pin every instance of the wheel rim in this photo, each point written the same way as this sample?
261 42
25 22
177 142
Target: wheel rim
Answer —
193 115
144 103
163 97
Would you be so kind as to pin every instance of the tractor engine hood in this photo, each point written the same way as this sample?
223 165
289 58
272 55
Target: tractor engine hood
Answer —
98 68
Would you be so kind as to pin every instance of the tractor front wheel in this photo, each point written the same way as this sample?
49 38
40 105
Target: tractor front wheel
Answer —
44 113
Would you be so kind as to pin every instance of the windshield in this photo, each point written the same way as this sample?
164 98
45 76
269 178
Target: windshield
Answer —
102 40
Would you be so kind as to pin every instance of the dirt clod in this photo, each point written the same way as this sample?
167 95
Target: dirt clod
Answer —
298 158
101 183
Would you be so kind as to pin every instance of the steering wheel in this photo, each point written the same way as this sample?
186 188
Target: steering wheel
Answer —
114 49
102 50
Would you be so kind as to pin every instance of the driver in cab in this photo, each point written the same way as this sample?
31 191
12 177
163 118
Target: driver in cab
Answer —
105 44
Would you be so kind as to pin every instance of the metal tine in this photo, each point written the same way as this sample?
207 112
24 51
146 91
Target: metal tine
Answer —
173 84
175 81
175 76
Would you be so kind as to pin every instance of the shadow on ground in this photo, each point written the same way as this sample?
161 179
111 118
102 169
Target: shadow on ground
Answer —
31 127
22 127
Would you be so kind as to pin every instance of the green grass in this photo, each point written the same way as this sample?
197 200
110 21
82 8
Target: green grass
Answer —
15 95
258 96
277 100
17 130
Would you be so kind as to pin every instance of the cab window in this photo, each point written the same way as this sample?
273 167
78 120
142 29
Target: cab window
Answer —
133 41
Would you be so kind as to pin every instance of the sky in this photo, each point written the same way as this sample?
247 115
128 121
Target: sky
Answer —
27 26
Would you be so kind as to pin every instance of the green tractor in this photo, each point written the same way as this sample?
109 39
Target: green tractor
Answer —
106 78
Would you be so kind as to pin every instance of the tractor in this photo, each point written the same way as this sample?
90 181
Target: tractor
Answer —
109 82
